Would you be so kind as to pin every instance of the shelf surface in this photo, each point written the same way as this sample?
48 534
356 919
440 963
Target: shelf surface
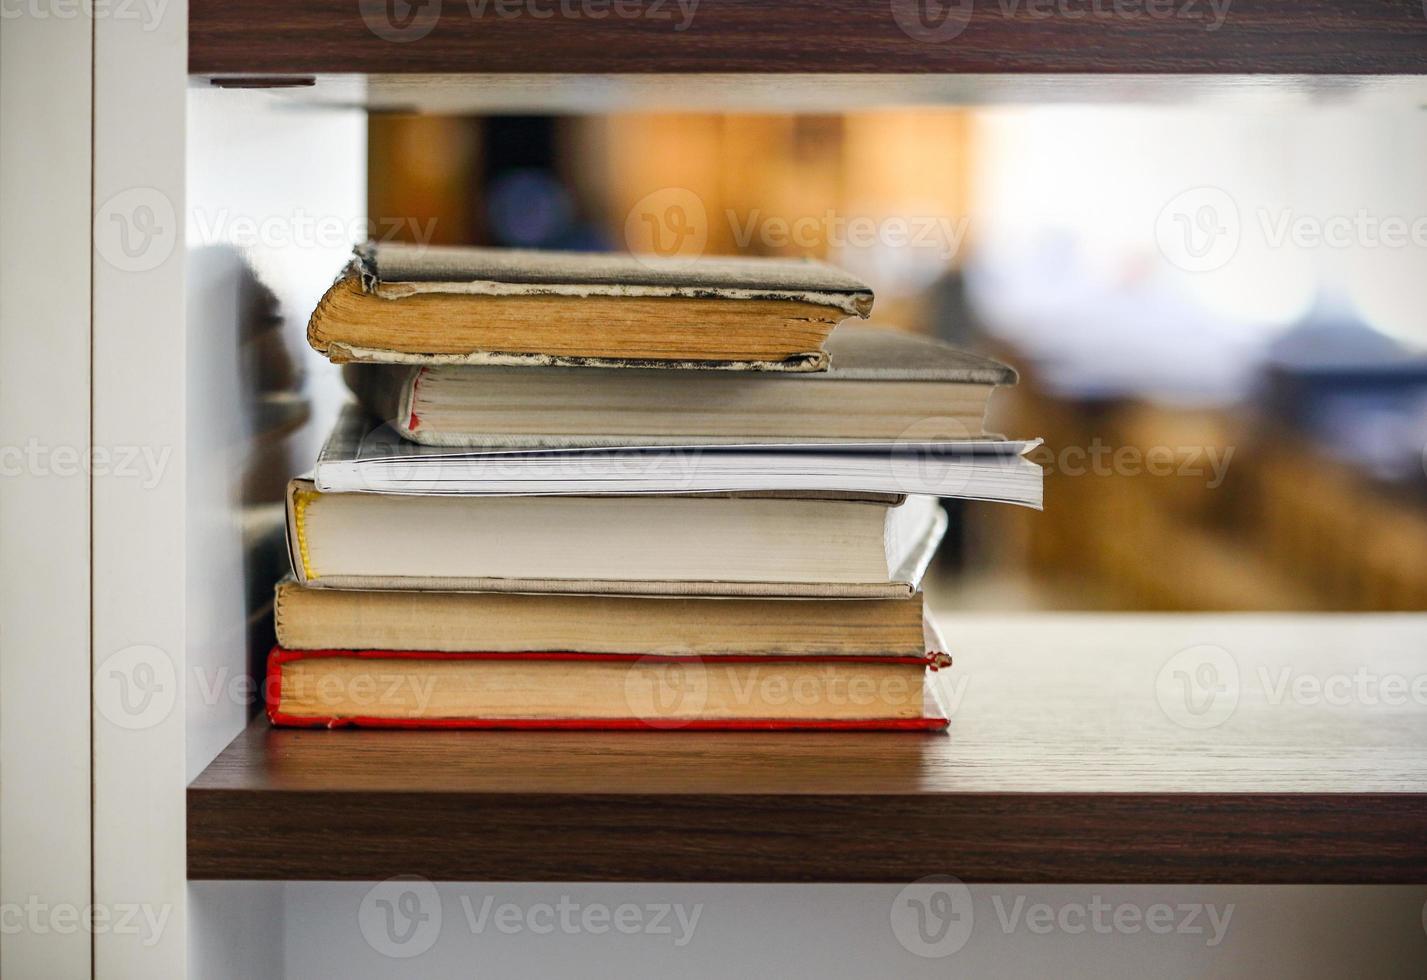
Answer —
1076 753
997 36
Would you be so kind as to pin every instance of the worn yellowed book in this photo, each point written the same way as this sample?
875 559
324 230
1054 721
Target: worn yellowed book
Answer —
399 303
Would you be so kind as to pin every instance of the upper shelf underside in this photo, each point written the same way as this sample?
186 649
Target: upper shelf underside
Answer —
477 94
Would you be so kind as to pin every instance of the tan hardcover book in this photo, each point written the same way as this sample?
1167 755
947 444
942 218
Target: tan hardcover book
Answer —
882 385
410 304
453 622
828 546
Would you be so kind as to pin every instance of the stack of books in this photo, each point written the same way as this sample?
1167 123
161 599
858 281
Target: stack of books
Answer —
581 491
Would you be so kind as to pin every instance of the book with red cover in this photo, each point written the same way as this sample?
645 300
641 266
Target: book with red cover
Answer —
557 690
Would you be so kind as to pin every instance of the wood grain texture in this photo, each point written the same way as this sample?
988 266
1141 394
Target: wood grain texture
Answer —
1062 765
1000 36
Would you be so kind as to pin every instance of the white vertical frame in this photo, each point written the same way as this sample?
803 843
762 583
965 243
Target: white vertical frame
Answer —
45 92
140 83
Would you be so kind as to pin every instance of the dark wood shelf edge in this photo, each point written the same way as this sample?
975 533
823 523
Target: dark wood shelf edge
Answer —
1109 838
1364 37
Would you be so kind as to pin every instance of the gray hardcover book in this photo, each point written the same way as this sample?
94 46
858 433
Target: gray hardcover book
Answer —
881 385
392 270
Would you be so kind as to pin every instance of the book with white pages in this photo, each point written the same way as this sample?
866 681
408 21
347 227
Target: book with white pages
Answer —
363 455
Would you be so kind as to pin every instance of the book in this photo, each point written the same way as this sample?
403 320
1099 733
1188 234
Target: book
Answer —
454 622
410 304
429 689
881 384
829 546
360 455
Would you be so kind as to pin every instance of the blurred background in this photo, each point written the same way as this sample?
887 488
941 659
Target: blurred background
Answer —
1219 316
1219 319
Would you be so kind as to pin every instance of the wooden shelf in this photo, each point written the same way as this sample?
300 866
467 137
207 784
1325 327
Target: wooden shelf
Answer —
1061 766
1256 36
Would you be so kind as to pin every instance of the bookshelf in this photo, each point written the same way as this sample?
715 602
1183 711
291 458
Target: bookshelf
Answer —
1051 772
1061 765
